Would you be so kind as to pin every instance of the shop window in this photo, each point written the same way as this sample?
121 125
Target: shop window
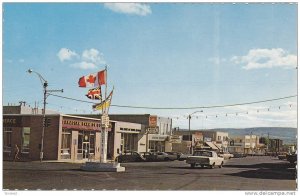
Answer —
25 139
186 137
66 145
7 133
92 143
80 140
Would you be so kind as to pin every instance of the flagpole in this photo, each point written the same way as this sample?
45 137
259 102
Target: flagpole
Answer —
106 82
104 131
110 99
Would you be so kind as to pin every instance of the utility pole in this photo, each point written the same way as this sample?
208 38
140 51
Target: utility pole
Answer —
190 134
45 85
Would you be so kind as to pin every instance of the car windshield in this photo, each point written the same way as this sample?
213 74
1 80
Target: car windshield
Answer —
203 153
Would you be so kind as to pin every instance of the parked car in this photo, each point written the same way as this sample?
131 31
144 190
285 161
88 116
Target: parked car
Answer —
172 155
148 156
158 156
281 157
129 157
205 158
238 155
292 158
161 156
225 155
183 157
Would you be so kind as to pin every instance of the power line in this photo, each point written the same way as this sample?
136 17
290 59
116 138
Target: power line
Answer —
180 108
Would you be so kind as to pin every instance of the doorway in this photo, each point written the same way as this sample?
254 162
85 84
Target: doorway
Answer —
85 150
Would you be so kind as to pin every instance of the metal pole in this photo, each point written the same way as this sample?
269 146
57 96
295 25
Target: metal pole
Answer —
45 84
190 133
44 121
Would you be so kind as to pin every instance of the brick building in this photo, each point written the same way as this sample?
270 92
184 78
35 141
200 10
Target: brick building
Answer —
67 138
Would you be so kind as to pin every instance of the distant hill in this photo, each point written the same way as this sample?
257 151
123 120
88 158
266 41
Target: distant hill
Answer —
287 134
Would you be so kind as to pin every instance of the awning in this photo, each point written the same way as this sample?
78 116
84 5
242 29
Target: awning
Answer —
157 137
210 144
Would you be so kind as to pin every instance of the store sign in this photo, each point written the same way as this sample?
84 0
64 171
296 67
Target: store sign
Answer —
105 120
152 121
152 130
156 137
11 121
207 139
81 124
175 139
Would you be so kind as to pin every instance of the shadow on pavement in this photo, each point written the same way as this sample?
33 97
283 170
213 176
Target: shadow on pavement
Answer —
283 171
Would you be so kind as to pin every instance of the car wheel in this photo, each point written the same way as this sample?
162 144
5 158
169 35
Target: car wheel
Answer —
166 159
221 165
212 166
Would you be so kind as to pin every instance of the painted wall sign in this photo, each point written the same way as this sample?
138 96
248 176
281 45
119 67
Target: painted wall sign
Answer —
11 121
152 121
176 139
81 124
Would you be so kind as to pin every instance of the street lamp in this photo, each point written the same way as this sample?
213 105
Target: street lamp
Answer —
190 116
44 84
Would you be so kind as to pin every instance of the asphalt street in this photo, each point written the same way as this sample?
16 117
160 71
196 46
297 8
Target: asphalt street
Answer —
249 173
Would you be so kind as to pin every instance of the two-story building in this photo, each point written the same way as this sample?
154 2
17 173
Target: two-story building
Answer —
247 144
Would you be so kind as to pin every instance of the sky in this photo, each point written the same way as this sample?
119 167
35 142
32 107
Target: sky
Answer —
162 55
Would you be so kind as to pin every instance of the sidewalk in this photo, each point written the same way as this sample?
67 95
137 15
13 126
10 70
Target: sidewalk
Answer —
72 161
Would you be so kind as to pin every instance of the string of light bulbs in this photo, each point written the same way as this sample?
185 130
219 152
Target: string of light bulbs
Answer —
180 108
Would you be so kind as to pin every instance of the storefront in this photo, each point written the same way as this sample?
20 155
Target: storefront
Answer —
66 137
157 143
128 137
80 138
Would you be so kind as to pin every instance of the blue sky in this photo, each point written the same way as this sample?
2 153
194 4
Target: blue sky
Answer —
159 55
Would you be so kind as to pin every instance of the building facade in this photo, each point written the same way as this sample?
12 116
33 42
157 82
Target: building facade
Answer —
247 144
155 131
218 138
66 137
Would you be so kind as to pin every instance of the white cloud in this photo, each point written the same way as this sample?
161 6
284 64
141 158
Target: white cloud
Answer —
84 65
266 58
93 56
89 59
66 54
129 8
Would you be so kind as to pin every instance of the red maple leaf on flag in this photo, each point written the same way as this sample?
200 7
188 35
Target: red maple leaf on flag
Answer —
91 79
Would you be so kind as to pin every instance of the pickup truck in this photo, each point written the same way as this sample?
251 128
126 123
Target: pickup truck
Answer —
205 158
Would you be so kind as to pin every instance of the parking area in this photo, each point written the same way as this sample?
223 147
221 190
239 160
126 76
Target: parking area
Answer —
249 173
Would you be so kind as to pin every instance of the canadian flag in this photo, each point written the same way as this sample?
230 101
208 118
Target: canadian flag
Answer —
93 80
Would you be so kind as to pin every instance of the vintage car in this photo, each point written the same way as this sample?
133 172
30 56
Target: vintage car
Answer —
148 156
129 157
239 155
162 156
282 156
292 158
226 155
173 156
205 158
158 156
183 157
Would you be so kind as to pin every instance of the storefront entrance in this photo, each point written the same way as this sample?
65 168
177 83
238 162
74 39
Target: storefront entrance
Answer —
156 146
156 143
86 145
85 150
